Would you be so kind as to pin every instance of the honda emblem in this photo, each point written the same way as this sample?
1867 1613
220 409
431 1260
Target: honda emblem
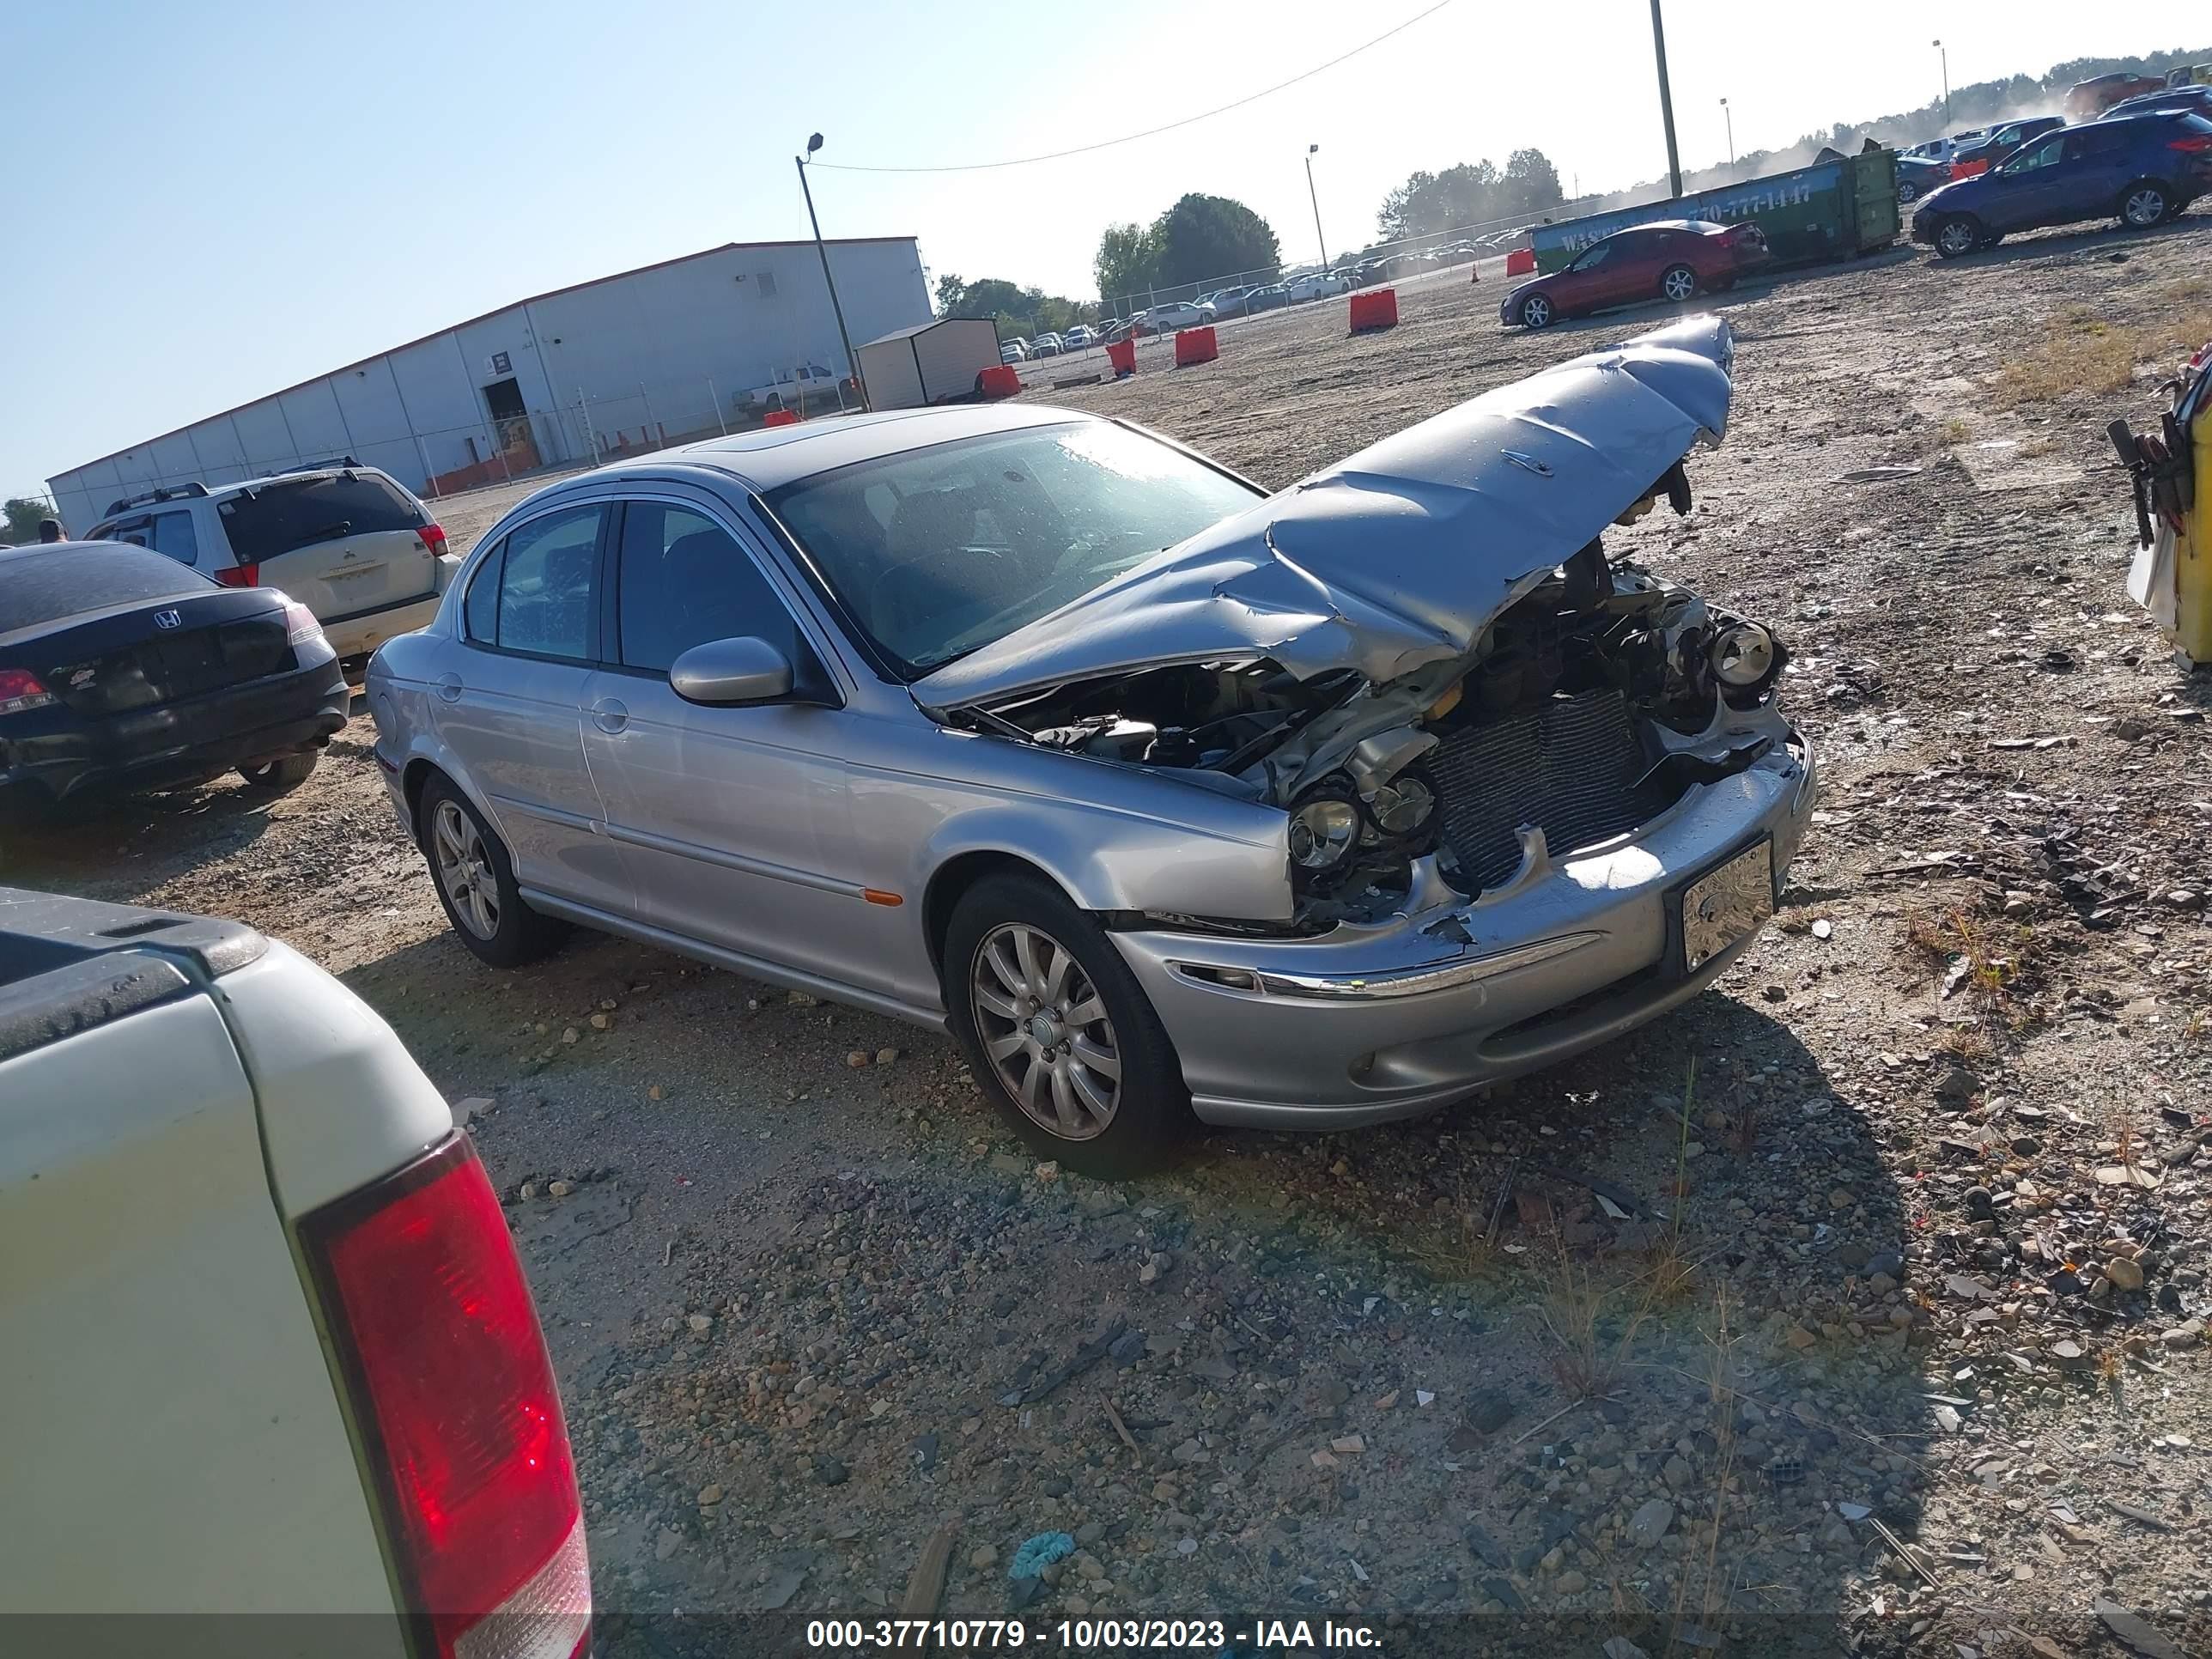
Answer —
168 619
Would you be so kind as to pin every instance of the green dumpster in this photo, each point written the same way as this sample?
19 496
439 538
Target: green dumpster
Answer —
1834 210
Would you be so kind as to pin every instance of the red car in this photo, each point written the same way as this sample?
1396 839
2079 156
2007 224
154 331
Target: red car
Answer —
1666 259
2086 100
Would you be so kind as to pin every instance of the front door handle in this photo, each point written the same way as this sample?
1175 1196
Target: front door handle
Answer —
449 687
609 715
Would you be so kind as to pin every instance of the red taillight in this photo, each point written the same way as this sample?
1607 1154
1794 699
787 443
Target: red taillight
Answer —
434 536
22 691
457 1404
239 575
2196 144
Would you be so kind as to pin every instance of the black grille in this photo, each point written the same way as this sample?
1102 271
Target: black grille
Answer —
1569 765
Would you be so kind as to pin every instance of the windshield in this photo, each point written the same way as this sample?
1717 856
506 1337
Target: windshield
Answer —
938 551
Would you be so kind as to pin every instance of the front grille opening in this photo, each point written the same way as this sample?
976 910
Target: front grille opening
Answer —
1576 1007
1570 765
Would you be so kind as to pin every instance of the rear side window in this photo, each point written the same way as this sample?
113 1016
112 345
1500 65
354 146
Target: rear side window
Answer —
685 580
480 612
2096 141
548 584
280 517
40 587
175 536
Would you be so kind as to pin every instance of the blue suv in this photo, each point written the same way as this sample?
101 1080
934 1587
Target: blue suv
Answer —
2141 169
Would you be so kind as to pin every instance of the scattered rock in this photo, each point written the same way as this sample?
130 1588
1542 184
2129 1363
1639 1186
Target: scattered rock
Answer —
887 1056
2124 1272
830 1471
1650 1522
983 1557
558 1189
857 1058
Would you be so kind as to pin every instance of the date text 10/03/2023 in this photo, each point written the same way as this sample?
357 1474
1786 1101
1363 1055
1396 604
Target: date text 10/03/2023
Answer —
1212 1637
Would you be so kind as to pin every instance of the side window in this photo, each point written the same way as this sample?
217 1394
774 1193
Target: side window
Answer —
2096 141
139 533
174 535
480 611
2042 155
1594 256
548 584
685 580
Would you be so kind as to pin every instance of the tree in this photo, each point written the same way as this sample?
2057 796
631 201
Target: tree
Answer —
1207 236
1430 204
24 512
949 292
1530 182
1127 262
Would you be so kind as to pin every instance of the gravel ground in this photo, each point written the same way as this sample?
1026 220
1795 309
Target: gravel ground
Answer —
1886 1334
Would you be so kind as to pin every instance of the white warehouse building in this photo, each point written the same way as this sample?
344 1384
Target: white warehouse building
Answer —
618 366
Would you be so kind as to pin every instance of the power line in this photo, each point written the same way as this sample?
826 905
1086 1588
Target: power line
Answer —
1150 132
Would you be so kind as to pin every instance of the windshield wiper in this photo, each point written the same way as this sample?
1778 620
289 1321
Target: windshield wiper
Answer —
339 528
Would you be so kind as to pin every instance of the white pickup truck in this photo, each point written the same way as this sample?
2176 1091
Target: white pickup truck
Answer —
265 1347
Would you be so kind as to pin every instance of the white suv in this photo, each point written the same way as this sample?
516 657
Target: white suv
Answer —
350 542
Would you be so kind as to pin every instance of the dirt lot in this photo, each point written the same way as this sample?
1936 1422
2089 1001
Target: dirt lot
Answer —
1895 1340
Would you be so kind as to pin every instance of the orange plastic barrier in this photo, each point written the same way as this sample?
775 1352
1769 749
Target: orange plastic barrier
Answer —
1374 308
1195 345
1000 381
780 417
1122 354
1968 170
1521 262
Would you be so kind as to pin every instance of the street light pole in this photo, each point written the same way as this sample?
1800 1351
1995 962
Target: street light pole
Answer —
1945 58
851 361
1729 115
1314 196
1666 99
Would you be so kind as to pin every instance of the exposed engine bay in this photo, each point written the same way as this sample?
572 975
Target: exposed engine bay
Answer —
1592 701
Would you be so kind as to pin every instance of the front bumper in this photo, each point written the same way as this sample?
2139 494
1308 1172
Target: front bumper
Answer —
66 755
1365 1024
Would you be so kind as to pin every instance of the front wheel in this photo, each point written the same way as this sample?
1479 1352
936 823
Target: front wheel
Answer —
1956 236
1678 283
475 882
1535 311
1059 1031
2145 205
282 775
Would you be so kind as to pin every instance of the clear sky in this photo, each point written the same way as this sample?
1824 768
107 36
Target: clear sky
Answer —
214 200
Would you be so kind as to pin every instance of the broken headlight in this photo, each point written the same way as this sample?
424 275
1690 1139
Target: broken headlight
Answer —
1324 831
1745 658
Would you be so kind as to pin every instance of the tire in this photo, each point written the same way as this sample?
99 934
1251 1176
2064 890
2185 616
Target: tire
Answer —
1106 1092
475 882
2145 203
1536 311
282 775
1956 236
1678 283
1907 193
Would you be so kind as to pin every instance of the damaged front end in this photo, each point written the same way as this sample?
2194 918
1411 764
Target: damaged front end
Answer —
1424 655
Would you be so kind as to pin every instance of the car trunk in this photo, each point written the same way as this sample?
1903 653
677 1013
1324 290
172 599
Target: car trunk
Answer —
343 544
219 640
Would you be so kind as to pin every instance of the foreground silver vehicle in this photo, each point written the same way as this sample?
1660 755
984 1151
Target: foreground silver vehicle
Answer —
1304 811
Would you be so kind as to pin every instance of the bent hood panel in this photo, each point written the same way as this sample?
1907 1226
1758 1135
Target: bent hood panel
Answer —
1398 556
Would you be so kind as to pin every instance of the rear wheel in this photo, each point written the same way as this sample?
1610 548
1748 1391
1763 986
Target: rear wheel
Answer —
2144 205
1678 283
1535 311
1907 193
475 882
282 775
1059 1031
1957 235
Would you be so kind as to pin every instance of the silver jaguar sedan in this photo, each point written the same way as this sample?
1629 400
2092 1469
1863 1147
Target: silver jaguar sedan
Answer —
1167 796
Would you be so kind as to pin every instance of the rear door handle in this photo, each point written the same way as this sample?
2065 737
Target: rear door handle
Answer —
609 715
449 687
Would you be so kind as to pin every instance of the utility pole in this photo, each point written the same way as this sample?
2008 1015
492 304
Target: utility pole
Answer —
1945 58
1666 99
813 145
1314 196
1729 115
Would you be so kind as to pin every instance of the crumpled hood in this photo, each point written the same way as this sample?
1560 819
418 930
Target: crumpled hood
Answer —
1399 555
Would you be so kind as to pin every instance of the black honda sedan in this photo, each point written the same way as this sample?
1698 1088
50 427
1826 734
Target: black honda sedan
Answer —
122 668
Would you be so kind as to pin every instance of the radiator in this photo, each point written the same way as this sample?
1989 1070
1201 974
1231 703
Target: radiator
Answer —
1568 765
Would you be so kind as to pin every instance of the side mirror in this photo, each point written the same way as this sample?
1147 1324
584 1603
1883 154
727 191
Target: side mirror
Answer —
727 673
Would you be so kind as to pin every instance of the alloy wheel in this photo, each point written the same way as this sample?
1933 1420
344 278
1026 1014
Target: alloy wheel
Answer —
2143 208
1043 1028
465 870
1536 311
1956 237
1679 283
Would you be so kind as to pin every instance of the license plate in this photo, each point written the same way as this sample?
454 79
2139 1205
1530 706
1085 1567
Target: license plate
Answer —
1727 904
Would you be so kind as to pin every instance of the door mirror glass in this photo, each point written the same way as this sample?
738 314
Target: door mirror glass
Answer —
728 673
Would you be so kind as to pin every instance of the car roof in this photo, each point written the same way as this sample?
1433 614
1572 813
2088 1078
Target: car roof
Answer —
768 457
